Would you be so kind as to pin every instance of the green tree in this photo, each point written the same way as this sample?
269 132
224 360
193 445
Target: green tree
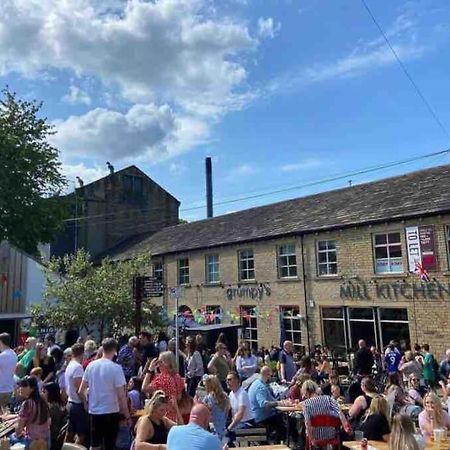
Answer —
30 175
82 295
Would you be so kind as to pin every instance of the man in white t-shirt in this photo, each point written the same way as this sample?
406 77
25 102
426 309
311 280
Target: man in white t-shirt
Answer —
107 397
78 426
241 411
8 362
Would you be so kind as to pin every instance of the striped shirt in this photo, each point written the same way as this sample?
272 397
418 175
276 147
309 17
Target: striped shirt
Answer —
321 406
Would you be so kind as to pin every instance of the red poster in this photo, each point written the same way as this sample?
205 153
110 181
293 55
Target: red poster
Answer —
427 246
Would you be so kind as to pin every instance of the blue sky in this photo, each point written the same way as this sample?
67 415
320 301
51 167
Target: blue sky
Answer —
279 92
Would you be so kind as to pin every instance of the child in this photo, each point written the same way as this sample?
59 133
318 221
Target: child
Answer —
134 393
217 401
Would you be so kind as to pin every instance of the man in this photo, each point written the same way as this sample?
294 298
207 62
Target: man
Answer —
241 411
50 342
219 365
90 353
392 358
288 368
148 348
194 435
8 363
127 357
263 404
444 367
27 356
107 397
78 427
363 362
333 381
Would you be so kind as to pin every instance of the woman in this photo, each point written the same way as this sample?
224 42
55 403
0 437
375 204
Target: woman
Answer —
433 416
324 367
167 380
294 392
153 427
362 402
396 396
375 424
58 412
45 362
246 363
409 366
306 366
194 367
34 417
416 391
403 434
217 401
134 393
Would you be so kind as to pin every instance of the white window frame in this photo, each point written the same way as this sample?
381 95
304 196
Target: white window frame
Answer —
160 270
290 313
327 264
291 261
390 260
248 263
183 272
208 265
252 330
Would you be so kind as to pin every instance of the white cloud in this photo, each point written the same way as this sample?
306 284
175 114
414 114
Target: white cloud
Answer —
169 50
176 168
87 174
243 170
306 164
77 96
267 28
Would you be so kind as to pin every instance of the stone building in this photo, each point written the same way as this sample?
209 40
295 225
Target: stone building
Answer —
329 268
113 210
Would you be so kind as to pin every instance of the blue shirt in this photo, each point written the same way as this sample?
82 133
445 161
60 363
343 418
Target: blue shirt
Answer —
192 437
392 360
259 394
290 367
218 417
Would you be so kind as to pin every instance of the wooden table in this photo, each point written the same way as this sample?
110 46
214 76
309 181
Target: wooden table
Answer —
266 447
380 445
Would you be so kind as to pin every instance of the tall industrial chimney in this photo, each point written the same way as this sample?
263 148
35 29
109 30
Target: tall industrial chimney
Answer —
209 188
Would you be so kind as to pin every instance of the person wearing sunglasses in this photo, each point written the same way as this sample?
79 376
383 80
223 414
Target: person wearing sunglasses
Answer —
416 391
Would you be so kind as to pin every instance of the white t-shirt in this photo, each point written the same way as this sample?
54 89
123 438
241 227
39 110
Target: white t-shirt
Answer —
239 398
8 362
103 378
73 370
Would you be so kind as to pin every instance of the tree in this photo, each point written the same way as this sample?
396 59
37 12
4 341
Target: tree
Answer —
81 295
30 175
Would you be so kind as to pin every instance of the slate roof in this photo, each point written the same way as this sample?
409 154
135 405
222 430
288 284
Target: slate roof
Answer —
416 194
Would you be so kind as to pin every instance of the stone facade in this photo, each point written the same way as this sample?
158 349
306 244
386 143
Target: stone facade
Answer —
397 302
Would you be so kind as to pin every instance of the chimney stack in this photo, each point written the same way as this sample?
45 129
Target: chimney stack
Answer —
209 189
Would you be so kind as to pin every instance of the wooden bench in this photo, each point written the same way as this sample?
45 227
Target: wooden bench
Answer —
245 436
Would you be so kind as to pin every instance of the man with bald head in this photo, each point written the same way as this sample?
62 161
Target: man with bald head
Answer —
194 435
127 357
263 404
288 368
363 362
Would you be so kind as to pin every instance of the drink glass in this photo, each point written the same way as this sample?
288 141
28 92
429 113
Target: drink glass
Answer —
359 436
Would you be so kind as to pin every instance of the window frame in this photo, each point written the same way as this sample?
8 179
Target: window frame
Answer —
292 332
447 243
180 268
328 263
288 265
161 270
207 266
387 245
241 270
253 342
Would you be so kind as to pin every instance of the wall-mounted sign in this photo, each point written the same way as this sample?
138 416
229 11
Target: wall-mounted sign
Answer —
359 290
420 243
254 292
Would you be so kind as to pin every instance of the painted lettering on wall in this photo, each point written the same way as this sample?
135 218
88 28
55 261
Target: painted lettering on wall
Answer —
359 290
253 292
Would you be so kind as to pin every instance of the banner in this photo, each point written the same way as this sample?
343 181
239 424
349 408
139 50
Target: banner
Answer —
420 244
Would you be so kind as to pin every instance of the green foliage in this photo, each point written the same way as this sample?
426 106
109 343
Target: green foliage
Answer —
29 175
79 294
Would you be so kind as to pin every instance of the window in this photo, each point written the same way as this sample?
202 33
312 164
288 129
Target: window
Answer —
133 185
362 326
287 261
327 258
250 326
394 327
212 269
246 265
158 271
388 253
448 243
291 329
183 271
334 335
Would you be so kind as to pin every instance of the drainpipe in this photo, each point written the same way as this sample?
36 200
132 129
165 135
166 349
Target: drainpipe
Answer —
305 292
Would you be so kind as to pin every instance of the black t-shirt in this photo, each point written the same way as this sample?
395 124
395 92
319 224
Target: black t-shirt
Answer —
149 352
375 426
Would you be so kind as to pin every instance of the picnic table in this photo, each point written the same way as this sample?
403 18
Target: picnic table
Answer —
298 407
267 447
380 445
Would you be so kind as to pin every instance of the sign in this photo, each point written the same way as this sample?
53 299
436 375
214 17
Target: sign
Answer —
176 292
420 243
146 287
253 292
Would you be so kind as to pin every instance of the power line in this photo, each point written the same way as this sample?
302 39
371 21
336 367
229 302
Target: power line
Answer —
278 191
406 72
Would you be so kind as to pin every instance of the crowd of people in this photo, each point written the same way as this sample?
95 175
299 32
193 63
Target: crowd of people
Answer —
140 396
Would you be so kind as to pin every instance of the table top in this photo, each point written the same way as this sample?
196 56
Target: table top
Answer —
380 445
266 447
345 407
